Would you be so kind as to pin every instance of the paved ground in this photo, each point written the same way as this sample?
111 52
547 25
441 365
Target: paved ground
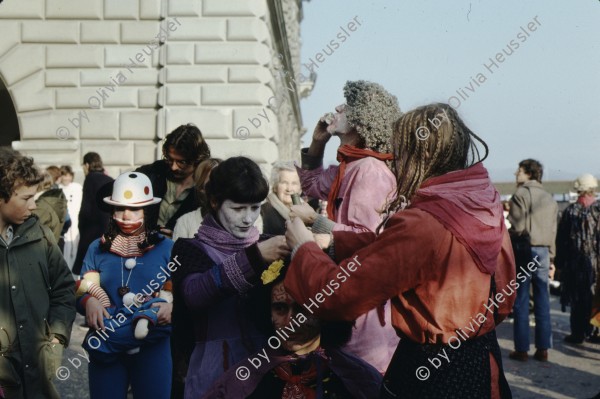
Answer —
573 371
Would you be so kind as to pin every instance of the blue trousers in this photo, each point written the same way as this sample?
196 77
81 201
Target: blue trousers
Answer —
148 371
541 304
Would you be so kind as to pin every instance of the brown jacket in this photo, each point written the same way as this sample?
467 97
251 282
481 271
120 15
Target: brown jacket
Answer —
433 281
435 285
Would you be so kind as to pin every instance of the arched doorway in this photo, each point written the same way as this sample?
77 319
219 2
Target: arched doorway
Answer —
9 124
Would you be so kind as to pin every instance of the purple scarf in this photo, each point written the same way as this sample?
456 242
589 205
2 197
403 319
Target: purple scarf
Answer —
218 242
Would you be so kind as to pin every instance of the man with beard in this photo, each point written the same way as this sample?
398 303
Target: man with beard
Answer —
356 192
173 177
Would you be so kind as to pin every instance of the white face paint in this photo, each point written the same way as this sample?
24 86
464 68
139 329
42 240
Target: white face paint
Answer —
339 125
236 218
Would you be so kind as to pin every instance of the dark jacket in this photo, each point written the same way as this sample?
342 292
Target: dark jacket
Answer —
578 254
158 173
37 302
52 210
93 219
273 222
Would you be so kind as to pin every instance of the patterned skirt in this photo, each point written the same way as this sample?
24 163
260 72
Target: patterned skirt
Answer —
459 369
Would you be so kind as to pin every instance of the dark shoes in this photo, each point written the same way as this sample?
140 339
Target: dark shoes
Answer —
573 339
540 355
520 356
594 339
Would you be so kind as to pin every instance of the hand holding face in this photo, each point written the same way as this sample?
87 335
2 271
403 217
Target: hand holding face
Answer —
321 134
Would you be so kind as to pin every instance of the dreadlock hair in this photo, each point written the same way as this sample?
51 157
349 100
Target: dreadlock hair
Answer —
152 235
430 141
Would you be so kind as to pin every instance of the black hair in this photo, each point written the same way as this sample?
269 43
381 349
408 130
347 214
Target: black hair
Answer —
152 235
187 140
237 179
533 168
94 161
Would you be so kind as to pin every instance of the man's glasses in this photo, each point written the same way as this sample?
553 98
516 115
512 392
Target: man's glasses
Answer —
181 163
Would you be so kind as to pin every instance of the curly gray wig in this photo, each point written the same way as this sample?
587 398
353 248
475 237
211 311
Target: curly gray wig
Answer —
372 111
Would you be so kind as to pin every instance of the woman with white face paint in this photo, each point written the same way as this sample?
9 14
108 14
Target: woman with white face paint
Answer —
216 320
124 293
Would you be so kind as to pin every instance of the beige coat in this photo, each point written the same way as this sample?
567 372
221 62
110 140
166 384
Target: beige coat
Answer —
536 213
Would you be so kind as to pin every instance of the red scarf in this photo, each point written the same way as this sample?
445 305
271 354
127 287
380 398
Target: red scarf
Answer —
298 386
345 155
468 205
586 200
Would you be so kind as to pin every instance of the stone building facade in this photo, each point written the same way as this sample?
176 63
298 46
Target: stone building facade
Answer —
116 76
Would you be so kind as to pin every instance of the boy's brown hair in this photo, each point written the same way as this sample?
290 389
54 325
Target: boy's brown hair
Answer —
16 171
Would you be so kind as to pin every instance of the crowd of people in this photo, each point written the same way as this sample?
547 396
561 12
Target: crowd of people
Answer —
199 278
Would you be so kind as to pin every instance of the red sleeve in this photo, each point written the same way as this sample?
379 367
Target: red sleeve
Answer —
505 277
394 262
346 243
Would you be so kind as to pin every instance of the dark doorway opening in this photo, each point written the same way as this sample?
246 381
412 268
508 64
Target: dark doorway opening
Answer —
9 124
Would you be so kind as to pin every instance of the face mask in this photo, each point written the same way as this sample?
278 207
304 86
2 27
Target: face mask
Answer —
129 227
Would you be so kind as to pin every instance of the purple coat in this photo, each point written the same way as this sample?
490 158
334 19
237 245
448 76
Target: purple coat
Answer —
212 319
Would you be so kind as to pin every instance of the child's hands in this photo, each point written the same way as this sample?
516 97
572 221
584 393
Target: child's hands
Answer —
164 312
95 314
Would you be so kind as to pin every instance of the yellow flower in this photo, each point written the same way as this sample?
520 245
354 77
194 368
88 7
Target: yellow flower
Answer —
272 272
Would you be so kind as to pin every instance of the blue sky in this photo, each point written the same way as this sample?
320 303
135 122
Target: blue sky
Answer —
542 101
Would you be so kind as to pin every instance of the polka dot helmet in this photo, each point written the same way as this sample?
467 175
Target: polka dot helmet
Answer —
133 190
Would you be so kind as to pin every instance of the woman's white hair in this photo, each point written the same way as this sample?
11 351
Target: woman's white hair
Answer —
278 167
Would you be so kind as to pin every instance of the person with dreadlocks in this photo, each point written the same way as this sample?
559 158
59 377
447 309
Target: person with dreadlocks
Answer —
444 258
129 264
356 192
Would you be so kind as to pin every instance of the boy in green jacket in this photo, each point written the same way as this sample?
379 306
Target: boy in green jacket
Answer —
37 298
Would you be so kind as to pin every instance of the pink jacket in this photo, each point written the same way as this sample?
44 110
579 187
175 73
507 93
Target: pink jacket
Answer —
366 186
